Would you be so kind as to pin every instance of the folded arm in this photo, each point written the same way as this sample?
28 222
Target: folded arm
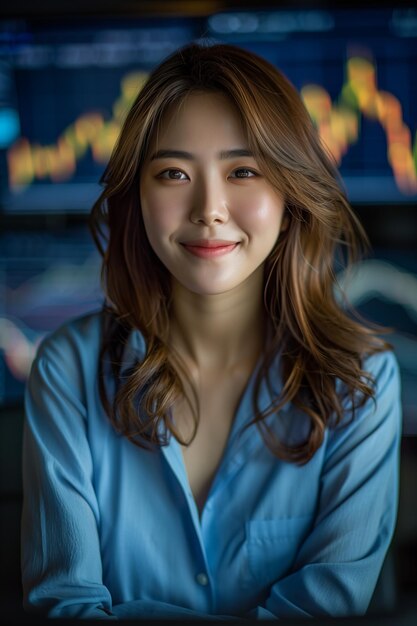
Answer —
335 570
337 566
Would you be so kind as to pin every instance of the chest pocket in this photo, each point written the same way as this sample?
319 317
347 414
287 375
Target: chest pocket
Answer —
272 546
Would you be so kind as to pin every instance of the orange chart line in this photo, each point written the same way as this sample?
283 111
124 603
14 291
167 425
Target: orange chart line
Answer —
338 125
28 162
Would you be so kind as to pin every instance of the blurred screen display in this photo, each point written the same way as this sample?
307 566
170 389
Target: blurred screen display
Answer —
65 88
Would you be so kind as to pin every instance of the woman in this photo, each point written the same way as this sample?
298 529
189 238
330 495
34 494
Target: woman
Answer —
221 440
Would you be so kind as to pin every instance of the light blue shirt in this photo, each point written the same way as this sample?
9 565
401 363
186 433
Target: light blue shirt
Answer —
110 530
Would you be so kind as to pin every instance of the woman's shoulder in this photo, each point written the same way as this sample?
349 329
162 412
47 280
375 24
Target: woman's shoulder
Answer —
380 369
383 410
383 367
65 364
76 338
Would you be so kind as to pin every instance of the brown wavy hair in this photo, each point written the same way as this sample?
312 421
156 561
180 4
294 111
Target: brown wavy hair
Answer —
319 338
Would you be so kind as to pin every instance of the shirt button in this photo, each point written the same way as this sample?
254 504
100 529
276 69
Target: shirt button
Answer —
202 579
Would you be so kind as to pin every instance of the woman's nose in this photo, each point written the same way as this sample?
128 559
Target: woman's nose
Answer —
209 204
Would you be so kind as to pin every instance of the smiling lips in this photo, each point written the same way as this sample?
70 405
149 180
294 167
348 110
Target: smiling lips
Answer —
208 248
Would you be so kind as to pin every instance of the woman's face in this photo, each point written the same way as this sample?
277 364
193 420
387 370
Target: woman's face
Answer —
210 215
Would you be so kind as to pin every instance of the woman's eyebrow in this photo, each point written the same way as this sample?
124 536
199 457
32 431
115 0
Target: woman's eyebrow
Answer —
181 154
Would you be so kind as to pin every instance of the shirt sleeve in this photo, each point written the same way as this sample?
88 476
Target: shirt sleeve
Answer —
61 558
337 566
61 562
335 570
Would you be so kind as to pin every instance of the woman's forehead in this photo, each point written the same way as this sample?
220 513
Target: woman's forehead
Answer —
204 116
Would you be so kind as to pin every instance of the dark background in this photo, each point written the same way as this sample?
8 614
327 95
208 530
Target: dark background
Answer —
62 60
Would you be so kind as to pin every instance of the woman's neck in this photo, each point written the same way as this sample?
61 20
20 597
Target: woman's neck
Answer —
220 332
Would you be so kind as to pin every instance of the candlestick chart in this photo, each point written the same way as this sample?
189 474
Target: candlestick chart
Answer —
65 91
28 161
338 123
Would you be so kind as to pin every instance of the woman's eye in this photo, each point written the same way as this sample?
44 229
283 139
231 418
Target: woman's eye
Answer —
243 172
172 175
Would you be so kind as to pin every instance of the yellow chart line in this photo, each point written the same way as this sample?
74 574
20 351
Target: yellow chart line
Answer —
338 125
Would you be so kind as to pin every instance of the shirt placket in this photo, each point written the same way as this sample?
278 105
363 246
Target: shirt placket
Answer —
202 574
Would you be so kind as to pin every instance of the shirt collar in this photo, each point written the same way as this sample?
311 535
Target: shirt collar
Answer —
135 351
292 427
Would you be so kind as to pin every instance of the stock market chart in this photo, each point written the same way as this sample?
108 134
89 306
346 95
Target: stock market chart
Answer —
66 86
